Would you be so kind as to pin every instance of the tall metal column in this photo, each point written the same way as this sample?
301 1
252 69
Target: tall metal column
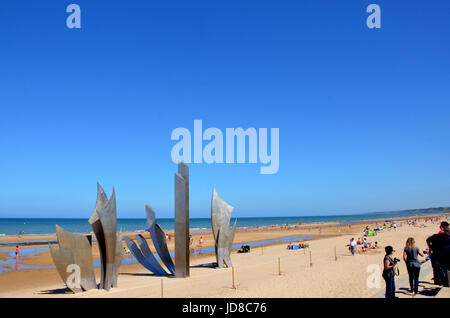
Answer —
182 221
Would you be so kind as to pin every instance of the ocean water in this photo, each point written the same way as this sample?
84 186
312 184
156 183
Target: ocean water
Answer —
11 226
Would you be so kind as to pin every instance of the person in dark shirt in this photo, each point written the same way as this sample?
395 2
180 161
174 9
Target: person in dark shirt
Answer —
439 245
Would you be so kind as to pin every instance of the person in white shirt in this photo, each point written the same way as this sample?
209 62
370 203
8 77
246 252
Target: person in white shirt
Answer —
353 246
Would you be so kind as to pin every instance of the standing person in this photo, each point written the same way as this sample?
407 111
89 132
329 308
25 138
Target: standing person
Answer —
438 244
17 251
410 256
446 255
352 246
389 272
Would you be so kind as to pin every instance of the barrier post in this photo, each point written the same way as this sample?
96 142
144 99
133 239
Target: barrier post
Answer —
279 267
232 278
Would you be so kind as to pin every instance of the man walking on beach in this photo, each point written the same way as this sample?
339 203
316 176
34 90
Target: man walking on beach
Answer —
352 246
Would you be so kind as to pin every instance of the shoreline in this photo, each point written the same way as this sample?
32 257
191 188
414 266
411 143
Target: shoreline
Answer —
34 240
362 219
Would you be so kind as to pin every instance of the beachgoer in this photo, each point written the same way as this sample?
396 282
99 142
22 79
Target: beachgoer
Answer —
389 272
352 246
200 241
443 226
17 251
410 254
438 244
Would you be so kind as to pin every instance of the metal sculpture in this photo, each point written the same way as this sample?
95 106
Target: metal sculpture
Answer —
223 233
143 253
104 223
182 221
74 249
144 256
159 239
77 249
120 254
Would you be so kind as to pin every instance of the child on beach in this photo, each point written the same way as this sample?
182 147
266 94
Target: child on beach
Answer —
17 251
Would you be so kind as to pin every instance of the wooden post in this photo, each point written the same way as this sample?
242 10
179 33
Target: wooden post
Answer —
279 266
304 249
310 259
262 250
335 255
232 278
162 288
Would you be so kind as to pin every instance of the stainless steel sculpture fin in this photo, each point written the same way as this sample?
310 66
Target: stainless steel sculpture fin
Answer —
182 221
104 223
74 249
159 239
222 232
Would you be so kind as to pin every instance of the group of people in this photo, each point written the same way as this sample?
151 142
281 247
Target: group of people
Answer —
361 241
292 246
439 254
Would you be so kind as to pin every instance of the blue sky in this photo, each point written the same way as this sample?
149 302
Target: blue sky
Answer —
364 115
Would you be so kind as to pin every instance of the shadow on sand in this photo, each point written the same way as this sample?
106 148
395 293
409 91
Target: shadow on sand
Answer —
57 291
207 265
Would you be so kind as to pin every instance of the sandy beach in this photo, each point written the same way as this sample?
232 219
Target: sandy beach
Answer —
269 271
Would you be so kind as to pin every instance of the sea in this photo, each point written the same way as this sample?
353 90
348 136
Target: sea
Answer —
39 226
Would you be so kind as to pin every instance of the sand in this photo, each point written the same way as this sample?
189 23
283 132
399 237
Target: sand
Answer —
256 273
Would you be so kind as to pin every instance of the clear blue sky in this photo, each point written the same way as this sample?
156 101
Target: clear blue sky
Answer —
364 115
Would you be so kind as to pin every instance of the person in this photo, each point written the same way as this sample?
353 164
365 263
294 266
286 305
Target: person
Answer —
438 244
352 246
446 254
443 226
389 271
410 256
365 245
17 251
200 241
